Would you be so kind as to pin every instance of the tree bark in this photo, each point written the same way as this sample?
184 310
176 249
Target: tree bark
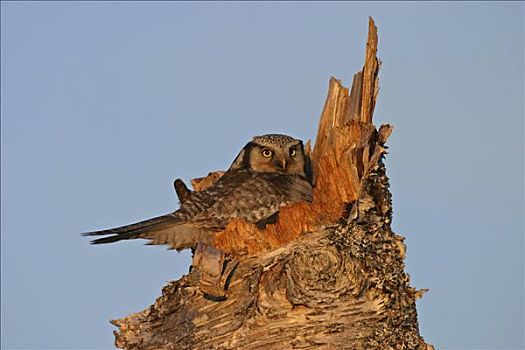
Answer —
326 275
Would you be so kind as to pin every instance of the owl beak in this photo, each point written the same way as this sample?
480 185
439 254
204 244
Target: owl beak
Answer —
282 163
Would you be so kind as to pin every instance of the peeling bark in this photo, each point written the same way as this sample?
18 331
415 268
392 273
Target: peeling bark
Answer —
326 275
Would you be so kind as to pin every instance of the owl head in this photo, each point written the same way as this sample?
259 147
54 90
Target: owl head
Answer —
274 153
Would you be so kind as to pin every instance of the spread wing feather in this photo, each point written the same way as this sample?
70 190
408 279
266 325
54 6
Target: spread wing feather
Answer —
167 229
238 194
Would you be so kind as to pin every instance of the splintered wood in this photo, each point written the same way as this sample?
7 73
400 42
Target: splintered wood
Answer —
347 146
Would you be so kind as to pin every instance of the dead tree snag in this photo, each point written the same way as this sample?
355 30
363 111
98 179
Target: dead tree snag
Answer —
326 275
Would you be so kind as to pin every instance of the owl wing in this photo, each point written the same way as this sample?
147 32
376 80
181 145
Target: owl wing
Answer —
252 196
167 229
238 194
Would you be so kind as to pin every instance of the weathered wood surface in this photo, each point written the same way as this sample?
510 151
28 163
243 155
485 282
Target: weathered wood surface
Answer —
326 275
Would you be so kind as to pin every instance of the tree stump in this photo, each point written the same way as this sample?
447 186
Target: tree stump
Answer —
326 275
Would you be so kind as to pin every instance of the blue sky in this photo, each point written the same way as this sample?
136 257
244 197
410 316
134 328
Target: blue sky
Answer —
103 104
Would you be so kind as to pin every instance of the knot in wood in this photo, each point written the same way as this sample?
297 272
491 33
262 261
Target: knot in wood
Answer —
320 274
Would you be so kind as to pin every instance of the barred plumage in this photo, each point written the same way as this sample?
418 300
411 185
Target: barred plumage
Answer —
271 171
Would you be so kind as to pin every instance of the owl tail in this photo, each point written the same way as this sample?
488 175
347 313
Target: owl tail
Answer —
167 229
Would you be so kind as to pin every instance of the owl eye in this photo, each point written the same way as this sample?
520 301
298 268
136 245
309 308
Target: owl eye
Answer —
293 152
267 153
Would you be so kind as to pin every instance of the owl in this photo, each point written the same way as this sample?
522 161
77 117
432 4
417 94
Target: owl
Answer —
270 171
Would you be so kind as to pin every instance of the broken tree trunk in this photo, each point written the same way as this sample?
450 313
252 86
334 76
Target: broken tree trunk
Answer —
326 275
